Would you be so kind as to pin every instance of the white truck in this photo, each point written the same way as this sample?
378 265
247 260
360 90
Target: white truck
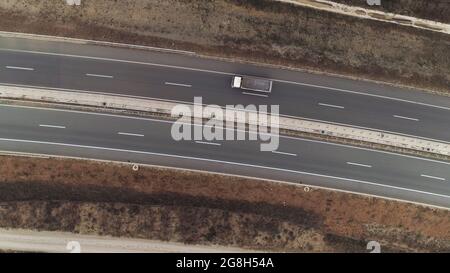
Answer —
252 83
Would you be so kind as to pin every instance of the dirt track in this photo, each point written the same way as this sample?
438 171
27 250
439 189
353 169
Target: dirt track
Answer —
254 30
436 10
191 207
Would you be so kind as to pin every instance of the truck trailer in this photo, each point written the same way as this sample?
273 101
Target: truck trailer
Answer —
252 83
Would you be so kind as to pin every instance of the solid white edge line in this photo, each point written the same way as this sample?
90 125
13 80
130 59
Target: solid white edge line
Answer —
266 134
433 177
208 143
254 94
284 153
359 164
62 39
224 162
407 118
331 105
100 76
130 134
364 94
178 84
222 73
190 103
20 68
52 126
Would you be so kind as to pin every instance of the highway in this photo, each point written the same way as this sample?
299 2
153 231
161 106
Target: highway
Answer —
179 77
147 141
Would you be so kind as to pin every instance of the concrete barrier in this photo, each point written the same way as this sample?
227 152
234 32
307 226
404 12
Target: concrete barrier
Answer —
165 107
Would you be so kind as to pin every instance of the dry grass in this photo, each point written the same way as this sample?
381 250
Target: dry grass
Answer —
186 206
255 30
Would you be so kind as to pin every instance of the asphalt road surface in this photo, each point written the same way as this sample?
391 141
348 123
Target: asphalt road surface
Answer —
181 77
109 137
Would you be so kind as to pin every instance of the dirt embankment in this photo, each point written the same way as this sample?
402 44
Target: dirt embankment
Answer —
435 10
255 30
192 207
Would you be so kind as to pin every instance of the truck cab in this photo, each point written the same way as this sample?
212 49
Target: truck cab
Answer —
237 81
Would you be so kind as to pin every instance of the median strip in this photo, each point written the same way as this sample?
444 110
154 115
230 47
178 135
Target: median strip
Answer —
366 136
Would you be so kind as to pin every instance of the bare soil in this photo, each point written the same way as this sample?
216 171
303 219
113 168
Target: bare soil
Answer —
264 31
92 197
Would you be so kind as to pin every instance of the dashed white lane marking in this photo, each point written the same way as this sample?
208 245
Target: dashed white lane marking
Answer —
408 118
331 105
284 153
20 68
359 164
221 73
52 126
253 94
208 143
130 134
223 162
100 76
433 177
178 84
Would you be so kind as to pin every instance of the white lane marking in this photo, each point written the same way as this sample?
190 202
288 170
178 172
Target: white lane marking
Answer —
19 35
20 68
223 162
208 143
253 94
266 134
283 153
364 94
359 164
186 102
220 73
190 103
331 105
52 126
130 134
100 76
403 117
178 84
116 60
433 177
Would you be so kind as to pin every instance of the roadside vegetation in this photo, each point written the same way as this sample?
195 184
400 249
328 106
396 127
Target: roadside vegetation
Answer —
99 198
435 10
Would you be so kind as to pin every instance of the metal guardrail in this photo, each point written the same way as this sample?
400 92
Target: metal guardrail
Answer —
165 107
